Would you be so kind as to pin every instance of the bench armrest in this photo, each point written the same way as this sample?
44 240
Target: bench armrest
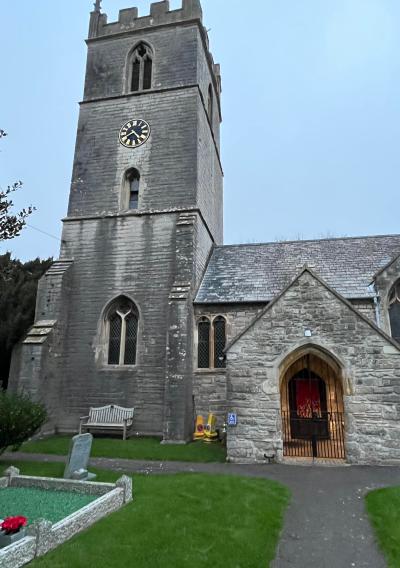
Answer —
81 419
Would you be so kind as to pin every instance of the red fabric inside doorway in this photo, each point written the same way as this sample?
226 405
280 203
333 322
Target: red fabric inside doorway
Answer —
308 399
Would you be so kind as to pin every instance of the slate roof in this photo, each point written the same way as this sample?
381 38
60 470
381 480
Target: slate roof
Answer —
258 272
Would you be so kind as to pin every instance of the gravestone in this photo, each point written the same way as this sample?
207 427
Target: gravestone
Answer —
78 458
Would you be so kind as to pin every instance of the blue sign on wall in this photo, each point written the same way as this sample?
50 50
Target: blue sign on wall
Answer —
232 419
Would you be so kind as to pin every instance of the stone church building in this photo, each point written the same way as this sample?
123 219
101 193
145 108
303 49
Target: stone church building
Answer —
147 308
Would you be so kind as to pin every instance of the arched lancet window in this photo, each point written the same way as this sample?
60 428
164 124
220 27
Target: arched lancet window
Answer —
219 342
140 68
129 198
132 182
210 103
394 311
203 347
122 320
211 343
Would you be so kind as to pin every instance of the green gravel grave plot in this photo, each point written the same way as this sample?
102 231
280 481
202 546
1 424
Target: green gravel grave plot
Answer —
40 503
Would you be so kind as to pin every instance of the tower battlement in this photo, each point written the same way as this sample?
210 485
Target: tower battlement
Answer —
160 15
129 20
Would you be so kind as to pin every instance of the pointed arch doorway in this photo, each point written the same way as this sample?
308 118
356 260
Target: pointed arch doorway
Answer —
312 407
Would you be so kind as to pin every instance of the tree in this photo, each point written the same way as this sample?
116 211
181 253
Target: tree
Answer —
20 418
11 224
18 287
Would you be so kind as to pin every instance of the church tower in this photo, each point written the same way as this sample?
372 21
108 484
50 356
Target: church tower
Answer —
114 318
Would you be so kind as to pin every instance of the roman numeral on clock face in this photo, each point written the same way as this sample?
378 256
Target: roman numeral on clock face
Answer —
134 133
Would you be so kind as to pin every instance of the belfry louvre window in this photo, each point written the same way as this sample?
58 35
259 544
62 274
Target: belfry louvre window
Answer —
394 311
141 68
123 332
211 343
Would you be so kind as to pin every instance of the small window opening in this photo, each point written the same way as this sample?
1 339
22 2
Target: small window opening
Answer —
141 68
394 311
133 181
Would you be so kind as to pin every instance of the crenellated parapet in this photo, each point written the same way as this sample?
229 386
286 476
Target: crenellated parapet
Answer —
128 19
160 15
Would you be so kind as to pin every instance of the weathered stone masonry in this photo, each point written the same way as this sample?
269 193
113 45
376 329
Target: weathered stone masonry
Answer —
166 259
370 364
156 255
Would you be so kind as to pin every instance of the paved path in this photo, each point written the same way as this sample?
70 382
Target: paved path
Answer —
326 524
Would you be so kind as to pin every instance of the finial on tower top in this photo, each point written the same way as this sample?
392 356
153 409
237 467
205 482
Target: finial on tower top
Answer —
97 6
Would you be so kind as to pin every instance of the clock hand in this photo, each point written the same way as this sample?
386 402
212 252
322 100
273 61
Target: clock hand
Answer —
135 133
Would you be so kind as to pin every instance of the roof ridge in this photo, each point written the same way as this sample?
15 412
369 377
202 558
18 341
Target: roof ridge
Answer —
308 241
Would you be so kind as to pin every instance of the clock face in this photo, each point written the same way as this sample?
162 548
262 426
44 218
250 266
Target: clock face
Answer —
134 133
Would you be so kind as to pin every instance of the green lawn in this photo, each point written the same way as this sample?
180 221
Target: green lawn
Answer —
177 521
135 448
383 507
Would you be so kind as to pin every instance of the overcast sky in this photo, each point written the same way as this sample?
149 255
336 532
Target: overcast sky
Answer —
311 109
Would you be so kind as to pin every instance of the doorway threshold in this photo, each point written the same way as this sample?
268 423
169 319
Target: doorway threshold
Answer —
332 462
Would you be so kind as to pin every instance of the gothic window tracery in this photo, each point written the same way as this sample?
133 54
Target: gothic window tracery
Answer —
211 338
140 68
122 323
394 311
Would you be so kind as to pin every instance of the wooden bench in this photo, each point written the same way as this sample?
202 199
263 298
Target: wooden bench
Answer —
110 417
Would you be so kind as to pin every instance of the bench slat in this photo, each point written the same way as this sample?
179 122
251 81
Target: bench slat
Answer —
110 414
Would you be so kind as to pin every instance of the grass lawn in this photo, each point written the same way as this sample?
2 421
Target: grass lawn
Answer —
177 521
134 448
383 507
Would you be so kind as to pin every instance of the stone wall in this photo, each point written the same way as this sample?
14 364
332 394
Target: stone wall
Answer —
369 362
366 308
210 393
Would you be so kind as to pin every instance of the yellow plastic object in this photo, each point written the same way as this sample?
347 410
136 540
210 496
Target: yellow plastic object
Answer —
210 431
199 428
